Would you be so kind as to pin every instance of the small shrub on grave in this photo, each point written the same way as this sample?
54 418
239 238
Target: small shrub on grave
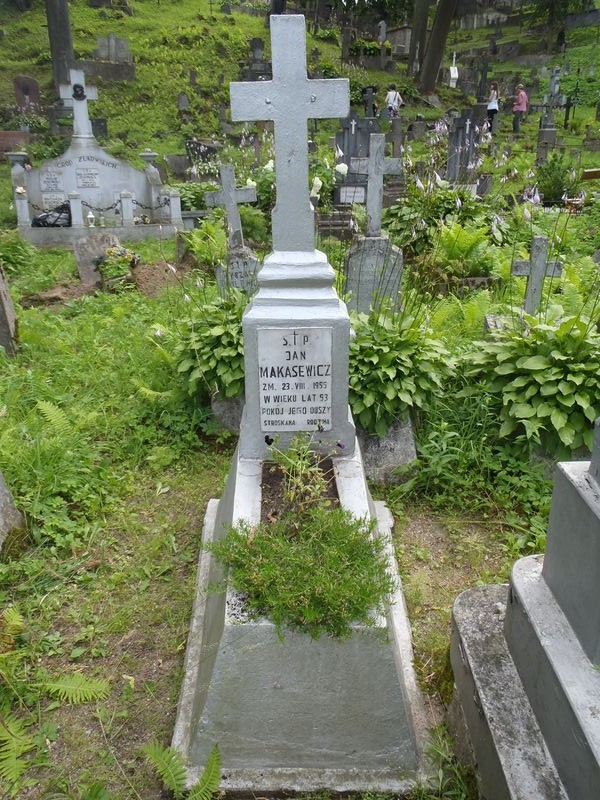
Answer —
395 364
254 224
16 254
116 262
210 353
546 380
331 34
316 567
556 178
363 47
192 194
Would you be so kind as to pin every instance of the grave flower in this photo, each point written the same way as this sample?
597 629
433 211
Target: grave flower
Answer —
116 262
342 169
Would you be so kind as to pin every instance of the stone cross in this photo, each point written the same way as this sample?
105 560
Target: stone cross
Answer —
536 269
78 94
290 99
229 196
375 167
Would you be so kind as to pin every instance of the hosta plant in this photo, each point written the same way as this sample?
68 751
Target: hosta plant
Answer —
210 354
546 379
395 363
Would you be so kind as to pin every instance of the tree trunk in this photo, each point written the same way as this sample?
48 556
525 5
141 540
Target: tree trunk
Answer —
419 35
437 43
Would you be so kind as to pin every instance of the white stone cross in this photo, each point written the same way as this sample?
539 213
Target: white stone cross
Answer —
536 269
229 197
375 167
77 94
290 99
353 127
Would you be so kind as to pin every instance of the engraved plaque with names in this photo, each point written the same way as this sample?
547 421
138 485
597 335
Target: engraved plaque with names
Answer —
52 199
87 178
352 194
294 366
51 181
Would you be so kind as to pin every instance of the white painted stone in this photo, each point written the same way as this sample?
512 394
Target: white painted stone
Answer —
75 95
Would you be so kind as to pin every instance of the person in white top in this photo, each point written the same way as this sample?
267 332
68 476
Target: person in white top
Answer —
393 100
492 106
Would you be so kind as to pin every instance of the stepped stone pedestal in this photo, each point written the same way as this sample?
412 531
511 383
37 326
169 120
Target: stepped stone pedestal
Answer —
525 655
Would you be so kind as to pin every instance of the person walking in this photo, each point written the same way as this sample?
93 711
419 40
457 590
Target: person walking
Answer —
519 107
492 106
393 101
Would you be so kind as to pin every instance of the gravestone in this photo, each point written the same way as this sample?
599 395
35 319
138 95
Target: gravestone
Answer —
8 318
461 148
524 655
112 48
242 263
11 518
91 181
536 270
353 142
87 250
547 137
27 92
292 715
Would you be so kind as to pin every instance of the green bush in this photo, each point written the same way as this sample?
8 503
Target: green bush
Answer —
192 194
395 364
210 353
546 381
320 574
556 178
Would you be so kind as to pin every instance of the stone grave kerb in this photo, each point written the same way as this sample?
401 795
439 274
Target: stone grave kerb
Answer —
229 196
536 269
375 167
296 321
75 95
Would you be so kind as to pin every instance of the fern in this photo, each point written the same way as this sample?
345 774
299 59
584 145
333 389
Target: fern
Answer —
15 741
11 621
169 765
76 688
57 419
210 778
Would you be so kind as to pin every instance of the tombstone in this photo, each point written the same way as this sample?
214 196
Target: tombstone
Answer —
555 83
461 148
87 250
369 102
482 88
536 270
242 683
87 177
353 142
242 263
112 48
8 319
381 31
27 92
453 73
11 519
417 129
395 137
183 102
524 655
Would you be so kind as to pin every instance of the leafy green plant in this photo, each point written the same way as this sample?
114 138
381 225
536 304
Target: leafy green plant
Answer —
319 572
304 479
208 242
116 262
556 178
192 193
76 688
210 353
15 253
546 380
171 768
452 780
459 251
395 363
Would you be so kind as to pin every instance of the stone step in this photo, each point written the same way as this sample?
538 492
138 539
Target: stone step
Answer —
552 664
513 761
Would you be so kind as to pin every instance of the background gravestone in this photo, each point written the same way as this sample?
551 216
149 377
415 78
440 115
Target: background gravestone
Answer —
8 318
27 92
11 518
87 250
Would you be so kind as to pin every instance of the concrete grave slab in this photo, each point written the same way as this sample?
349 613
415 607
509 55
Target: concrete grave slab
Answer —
8 318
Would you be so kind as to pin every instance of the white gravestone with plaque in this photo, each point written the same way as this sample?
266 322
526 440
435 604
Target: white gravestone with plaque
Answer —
286 713
296 295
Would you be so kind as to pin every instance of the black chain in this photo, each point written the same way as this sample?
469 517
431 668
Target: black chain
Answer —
107 208
166 202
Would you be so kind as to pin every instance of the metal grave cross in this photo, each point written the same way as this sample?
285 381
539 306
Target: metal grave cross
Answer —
290 99
536 269
229 197
375 167
77 94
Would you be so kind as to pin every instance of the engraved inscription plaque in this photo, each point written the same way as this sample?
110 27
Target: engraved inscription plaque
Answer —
52 199
51 181
294 366
352 194
87 178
